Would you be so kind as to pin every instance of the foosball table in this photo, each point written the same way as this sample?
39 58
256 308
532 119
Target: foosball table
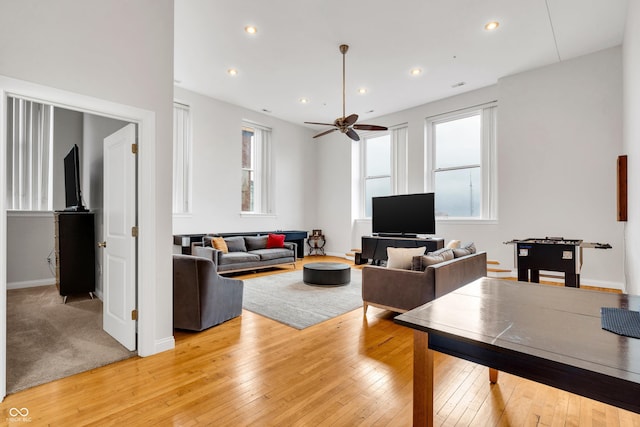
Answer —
551 254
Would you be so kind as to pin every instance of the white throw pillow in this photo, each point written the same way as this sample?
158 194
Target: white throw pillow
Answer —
401 257
453 244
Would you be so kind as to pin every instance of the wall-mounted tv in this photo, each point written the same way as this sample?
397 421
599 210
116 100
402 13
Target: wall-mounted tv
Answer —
72 192
405 214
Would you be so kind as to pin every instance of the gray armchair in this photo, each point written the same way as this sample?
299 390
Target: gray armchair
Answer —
201 297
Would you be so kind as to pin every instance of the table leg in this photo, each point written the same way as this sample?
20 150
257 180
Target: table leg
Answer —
422 380
493 375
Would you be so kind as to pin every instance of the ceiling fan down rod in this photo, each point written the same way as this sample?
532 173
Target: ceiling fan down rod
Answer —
343 49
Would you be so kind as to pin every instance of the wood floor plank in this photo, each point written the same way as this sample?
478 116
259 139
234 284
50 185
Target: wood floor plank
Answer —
351 370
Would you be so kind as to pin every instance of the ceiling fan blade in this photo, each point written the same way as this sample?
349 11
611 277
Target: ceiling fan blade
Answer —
316 123
325 132
348 121
353 135
362 126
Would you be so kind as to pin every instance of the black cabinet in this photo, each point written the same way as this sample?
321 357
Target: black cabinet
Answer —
75 253
375 248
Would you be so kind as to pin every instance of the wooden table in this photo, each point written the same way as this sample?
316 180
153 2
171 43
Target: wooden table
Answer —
547 334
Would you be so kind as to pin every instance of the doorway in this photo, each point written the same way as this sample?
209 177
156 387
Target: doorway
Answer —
66 328
150 296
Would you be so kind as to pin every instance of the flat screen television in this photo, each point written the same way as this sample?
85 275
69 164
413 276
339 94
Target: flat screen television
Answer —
405 214
72 192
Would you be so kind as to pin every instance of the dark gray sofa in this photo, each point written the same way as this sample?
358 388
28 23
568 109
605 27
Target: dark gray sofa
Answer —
402 290
246 253
201 297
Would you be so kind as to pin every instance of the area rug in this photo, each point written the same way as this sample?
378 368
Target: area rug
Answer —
48 340
287 299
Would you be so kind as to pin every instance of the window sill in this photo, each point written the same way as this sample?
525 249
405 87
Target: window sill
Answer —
467 221
257 214
183 215
41 214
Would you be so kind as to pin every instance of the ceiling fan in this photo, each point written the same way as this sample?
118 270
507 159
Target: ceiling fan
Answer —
346 124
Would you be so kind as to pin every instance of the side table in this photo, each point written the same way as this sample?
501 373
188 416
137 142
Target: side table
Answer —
316 244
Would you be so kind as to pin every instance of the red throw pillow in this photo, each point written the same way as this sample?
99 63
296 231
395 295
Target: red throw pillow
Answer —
275 241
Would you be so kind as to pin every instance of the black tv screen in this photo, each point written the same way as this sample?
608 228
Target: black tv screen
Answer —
404 214
72 193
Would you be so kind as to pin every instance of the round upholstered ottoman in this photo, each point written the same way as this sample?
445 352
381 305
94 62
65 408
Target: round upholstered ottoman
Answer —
326 273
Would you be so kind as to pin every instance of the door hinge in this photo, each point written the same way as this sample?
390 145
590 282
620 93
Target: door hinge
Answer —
134 231
134 148
134 314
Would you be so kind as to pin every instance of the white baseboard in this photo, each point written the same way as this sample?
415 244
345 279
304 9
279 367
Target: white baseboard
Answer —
583 281
164 344
31 283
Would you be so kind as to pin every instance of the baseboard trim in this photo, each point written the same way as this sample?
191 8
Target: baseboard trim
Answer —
165 344
30 283
583 281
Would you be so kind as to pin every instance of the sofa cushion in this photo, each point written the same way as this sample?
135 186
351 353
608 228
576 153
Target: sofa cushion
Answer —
236 244
275 241
464 250
236 257
255 242
275 253
401 257
219 244
420 263
453 244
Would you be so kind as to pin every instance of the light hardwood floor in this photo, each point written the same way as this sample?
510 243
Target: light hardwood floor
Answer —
350 370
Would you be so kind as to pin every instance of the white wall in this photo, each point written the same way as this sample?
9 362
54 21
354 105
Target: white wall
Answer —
631 73
559 134
120 51
216 127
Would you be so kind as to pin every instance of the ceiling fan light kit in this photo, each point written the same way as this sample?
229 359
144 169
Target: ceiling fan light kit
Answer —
346 124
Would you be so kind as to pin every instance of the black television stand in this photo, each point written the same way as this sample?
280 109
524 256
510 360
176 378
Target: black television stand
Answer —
396 235
374 248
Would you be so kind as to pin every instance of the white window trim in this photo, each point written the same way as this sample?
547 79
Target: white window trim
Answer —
488 165
187 193
399 163
264 179
32 188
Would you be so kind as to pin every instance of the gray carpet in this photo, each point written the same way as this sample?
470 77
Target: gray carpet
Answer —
47 340
287 299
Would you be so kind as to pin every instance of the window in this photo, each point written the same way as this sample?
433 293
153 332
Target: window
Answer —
181 159
461 163
29 156
256 169
383 165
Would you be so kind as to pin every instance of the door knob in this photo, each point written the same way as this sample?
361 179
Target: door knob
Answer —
102 244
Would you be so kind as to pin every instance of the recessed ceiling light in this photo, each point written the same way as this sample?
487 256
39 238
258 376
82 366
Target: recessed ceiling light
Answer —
232 72
492 25
362 90
304 101
250 29
415 71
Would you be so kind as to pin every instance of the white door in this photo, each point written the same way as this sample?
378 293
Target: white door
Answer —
119 245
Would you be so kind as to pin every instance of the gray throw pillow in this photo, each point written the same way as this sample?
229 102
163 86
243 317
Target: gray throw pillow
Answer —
464 250
235 244
255 242
420 263
206 241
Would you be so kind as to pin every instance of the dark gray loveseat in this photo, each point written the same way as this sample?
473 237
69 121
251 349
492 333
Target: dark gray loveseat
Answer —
246 253
402 290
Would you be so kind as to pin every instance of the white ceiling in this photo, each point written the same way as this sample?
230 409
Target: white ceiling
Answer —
295 51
